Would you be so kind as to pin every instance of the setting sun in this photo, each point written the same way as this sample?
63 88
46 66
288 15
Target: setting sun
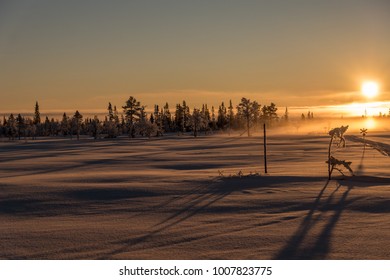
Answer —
370 89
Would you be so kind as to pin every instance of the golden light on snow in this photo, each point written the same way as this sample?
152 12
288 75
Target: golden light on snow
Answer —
370 89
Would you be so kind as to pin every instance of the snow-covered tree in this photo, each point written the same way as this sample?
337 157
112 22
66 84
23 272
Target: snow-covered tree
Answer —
11 127
64 125
31 129
37 114
20 125
182 117
77 121
206 118
145 128
167 118
110 112
95 127
222 119
248 111
230 116
198 121
132 110
111 122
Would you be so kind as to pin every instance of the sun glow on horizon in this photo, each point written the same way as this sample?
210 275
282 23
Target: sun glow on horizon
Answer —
370 89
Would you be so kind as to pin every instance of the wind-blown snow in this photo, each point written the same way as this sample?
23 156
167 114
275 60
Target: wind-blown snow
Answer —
182 198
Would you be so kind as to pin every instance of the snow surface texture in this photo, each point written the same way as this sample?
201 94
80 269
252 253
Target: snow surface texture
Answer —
183 198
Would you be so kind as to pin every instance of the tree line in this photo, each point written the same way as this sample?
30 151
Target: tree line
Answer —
135 121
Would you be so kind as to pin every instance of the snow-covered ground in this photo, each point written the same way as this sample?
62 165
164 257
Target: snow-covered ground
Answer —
183 198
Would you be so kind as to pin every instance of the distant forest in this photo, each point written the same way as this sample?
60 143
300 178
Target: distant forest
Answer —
133 120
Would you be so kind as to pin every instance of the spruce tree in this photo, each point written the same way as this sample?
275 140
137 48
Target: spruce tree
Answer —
11 127
230 116
286 115
37 114
196 121
179 118
222 118
20 125
77 121
110 112
64 126
95 127
167 118
46 126
206 118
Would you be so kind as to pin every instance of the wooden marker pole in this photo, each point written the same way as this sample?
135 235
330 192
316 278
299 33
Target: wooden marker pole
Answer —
265 149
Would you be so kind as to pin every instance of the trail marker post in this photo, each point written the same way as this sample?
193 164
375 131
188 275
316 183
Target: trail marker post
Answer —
265 149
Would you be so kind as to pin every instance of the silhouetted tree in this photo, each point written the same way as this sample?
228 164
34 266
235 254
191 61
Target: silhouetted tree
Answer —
248 110
132 111
11 127
77 118
285 117
37 114
269 114
222 120
95 127
167 118
64 126
197 121
230 115
20 125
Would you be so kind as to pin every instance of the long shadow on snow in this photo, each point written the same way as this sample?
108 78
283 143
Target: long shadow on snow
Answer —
297 247
196 201
78 165
73 202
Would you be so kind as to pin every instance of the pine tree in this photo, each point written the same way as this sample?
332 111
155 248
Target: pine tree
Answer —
269 114
132 110
248 111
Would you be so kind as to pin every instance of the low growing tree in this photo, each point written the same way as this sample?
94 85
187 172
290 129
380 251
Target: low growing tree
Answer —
337 138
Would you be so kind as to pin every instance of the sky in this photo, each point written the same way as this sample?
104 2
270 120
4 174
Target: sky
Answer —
82 54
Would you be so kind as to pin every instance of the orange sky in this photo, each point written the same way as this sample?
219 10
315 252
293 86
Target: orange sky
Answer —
82 54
